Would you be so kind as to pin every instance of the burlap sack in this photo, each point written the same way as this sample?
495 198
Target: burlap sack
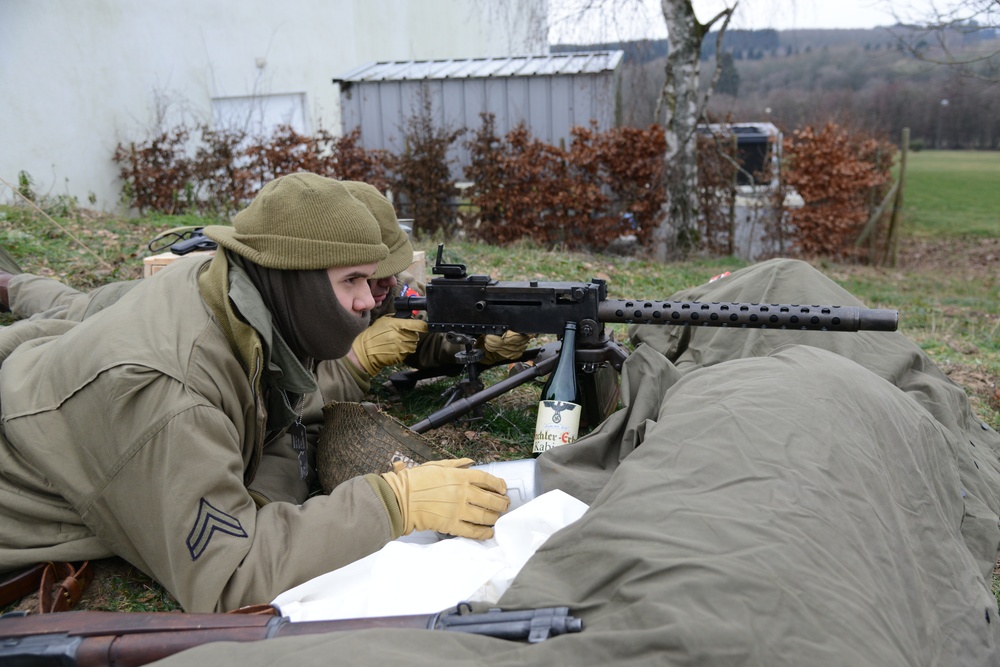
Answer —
358 438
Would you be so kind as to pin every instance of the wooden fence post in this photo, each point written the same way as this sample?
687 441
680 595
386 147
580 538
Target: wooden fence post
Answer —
892 244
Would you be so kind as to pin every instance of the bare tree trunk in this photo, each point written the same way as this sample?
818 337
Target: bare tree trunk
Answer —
677 232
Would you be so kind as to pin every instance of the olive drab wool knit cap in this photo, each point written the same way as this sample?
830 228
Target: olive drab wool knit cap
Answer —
400 251
303 222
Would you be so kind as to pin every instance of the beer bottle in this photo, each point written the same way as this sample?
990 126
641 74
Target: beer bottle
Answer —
559 409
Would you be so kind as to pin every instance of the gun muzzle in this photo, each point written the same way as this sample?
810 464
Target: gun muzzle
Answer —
878 319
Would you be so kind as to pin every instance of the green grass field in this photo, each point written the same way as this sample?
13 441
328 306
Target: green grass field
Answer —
952 193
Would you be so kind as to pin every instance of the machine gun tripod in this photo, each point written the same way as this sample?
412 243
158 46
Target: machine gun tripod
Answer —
469 394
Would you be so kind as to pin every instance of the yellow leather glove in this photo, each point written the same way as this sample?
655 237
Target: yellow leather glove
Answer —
444 496
508 347
387 341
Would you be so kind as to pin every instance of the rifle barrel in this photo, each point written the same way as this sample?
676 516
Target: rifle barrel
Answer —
749 315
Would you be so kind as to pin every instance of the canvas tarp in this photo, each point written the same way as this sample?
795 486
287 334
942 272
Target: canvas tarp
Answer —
759 501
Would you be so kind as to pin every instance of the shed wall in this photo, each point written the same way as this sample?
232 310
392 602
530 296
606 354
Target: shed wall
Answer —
90 75
550 106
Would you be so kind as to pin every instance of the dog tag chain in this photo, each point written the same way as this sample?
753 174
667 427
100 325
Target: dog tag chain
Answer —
298 431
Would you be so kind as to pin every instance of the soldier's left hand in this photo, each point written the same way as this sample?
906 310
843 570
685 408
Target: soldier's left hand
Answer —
508 347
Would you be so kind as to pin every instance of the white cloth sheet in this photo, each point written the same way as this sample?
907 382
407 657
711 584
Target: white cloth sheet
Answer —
425 575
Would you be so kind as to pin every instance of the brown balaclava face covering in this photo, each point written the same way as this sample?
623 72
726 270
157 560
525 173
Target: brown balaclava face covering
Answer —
306 312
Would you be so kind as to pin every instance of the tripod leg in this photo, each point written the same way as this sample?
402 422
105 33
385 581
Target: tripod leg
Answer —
608 351
461 406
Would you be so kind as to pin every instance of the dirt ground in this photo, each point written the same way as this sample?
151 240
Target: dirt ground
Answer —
969 258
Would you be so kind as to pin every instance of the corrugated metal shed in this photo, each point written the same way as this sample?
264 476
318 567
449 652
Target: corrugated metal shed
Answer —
549 93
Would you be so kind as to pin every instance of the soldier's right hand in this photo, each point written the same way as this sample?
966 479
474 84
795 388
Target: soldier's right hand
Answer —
448 497
387 342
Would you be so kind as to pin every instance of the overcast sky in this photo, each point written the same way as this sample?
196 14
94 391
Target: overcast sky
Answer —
637 19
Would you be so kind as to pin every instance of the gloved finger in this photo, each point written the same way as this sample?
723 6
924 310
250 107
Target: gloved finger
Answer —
488 506
516 339
500 348
475 531
417 326
480 518
397 324
487 482
511 341
451 463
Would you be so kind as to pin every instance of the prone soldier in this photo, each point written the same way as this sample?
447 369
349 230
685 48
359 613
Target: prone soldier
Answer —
140 430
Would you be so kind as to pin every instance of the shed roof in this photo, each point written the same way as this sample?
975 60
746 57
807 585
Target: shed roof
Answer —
579 62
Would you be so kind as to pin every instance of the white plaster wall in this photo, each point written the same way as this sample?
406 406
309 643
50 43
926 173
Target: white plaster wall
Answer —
78 77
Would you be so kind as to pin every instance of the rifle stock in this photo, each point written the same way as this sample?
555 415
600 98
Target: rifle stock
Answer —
103 639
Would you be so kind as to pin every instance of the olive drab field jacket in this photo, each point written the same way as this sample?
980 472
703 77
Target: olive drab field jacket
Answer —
277 477
137 433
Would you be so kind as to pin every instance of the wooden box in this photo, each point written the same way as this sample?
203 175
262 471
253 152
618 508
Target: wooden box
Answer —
418 267
151 265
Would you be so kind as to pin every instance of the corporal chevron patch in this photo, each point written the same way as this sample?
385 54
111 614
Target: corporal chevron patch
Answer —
209 520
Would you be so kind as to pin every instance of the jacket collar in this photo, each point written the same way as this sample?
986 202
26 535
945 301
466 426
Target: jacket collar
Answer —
270 364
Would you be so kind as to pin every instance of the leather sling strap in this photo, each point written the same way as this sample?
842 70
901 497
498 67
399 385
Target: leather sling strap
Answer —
59 585
23 583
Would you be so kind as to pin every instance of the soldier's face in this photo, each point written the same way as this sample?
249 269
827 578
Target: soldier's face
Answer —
381 287
350 285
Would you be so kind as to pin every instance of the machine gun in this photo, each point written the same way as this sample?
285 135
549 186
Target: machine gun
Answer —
466 306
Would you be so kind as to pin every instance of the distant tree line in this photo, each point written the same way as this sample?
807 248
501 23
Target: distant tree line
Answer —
863 79
745 42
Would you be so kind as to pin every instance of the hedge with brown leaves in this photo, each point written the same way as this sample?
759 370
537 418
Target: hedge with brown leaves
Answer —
839 175
575 198
604 185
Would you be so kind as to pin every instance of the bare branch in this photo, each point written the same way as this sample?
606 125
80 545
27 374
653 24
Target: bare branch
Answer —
951 30
728 14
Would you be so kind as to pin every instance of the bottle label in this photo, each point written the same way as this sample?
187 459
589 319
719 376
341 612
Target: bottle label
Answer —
558 424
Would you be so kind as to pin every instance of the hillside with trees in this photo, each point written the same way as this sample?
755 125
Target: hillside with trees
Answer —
876 81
